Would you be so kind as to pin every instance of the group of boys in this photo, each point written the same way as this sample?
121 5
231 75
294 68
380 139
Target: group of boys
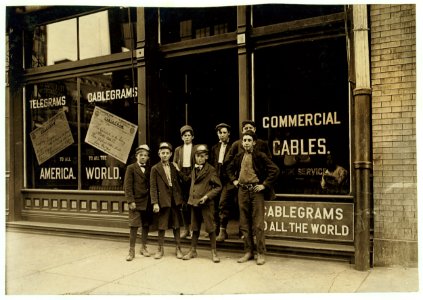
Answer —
193 189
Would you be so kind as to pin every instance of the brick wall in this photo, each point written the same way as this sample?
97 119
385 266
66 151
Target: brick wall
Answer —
393 77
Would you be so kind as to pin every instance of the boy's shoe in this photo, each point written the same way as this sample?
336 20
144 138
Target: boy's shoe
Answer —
223 235
191 254
260 259
215 258
159 254
247 256
179 254
131 254
185 234
144 251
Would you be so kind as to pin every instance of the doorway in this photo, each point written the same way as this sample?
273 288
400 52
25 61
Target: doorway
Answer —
200 90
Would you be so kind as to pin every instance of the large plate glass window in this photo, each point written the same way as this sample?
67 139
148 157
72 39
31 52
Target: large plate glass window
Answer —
180 24
108 100
302 108
52 140
67 151
93 35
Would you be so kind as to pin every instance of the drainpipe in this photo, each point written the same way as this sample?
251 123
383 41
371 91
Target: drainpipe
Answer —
362 138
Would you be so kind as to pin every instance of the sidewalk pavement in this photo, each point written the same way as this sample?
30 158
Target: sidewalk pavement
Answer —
39 264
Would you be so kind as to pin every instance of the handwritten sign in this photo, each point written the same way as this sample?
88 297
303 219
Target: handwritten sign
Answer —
52 137
313 220
111 134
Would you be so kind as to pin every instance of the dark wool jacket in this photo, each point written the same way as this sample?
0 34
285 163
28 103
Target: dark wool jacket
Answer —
214 158
266 170
205 183
160 191
137 186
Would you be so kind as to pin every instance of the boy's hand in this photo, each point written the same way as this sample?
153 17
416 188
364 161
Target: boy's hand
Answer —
176 165
156 208
235 182
132 206
259 188
202 200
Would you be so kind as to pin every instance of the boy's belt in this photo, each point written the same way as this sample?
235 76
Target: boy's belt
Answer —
247 186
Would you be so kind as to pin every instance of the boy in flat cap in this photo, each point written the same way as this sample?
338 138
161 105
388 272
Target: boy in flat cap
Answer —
218 154
205 186
184 158
261 145
253 173
137 194
166 197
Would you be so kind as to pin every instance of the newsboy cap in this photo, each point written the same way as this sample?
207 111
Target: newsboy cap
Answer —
165 145
142 147
186 128
222 125
201 149
248 122
250 133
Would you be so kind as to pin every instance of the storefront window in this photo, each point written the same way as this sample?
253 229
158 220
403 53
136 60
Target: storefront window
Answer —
179 24
52 144
89 152
269 14
88 36
108 101
302 109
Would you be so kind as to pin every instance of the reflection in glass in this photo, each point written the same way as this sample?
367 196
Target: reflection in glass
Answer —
180 24
61 42
98 34
94 35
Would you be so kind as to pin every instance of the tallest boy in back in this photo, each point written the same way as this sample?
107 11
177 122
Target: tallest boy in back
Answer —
184 158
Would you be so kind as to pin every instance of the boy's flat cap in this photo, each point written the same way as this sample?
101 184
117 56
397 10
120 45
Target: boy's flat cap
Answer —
201 149
222 125
142 147
248 122
165 145
186 128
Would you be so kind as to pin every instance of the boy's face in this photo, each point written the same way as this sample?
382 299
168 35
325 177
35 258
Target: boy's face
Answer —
187 137
143 156
248 127
223 134
200 158
248 143
165 155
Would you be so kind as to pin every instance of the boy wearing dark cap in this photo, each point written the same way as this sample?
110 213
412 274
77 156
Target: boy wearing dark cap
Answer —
205 186
218 154
252 172
261 145
166 197
137 194
184 158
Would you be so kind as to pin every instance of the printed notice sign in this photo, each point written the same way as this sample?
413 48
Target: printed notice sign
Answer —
312 220
111 134
54 136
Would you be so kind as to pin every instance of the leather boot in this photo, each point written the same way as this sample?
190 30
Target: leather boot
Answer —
223 235
215 258
131 254
260 259
159 254
247 256
144 251
184 234
179 254
191 254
